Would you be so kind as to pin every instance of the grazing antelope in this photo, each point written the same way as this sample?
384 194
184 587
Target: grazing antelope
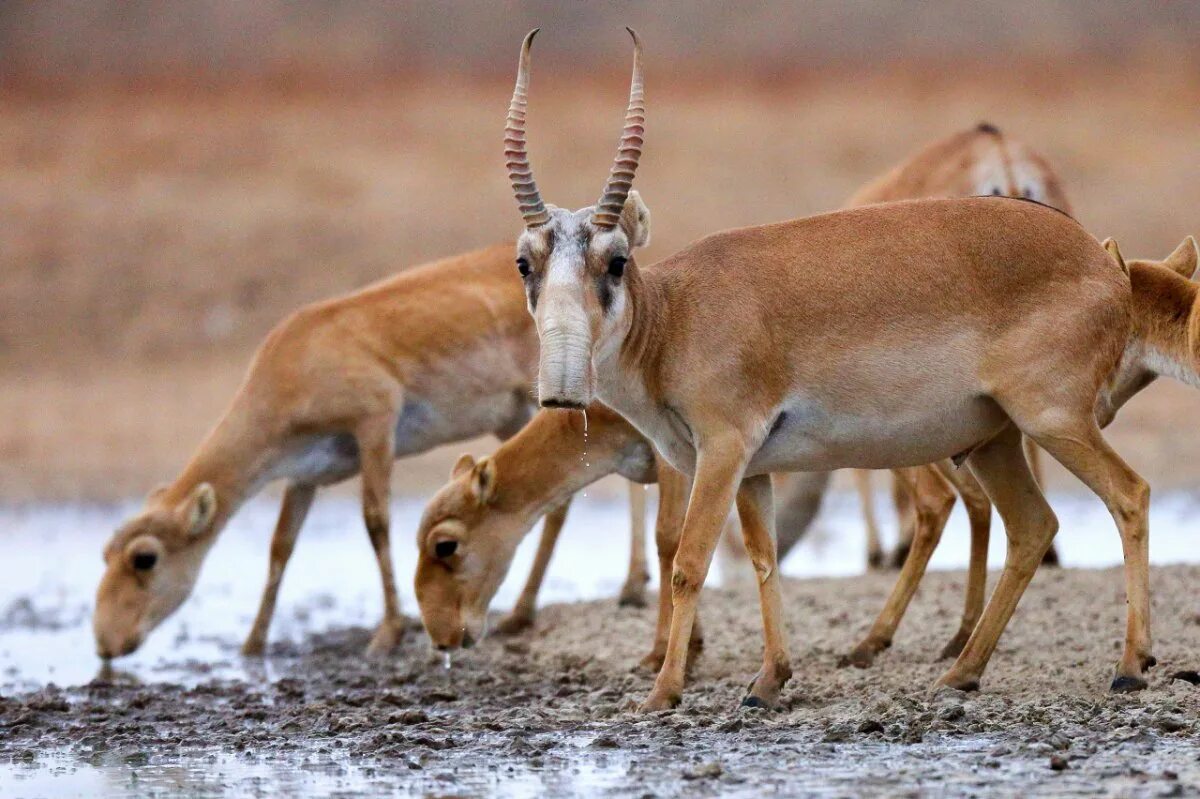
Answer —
885 336
471 528
440 353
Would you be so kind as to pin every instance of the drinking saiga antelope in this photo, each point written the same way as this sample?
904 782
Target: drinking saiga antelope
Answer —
879 337
472 526
437 354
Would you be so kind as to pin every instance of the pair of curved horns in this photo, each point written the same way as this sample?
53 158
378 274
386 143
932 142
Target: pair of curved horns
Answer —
629 150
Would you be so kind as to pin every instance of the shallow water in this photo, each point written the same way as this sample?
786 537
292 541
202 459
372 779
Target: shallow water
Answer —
52 562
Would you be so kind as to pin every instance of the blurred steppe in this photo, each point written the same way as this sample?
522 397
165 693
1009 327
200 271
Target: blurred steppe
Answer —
168 191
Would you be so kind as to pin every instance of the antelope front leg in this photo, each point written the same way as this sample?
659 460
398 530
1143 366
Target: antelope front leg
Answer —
1029 524
521 616
1127 496
718 472
862 483
1033 454
376 452
933 500
296 502
673 490
756 510
979 513
633 593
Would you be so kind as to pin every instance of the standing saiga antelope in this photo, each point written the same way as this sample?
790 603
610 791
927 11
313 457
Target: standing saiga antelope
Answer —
487 508
437 354
885 336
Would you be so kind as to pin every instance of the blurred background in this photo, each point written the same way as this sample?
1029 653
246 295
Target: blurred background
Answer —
175 177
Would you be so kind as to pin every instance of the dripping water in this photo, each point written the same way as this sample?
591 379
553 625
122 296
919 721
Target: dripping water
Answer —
446 661
583 457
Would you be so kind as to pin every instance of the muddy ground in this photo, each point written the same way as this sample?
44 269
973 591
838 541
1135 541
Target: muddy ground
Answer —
552 710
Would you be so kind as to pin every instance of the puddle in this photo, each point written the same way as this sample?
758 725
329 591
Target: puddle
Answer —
549 713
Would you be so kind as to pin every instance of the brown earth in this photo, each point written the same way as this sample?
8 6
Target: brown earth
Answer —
559 700
152 236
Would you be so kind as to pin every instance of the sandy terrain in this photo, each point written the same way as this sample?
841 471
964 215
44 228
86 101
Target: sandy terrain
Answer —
554 707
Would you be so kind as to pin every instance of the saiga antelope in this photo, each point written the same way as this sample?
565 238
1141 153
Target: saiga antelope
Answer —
440 353
545 462
471 528
879 337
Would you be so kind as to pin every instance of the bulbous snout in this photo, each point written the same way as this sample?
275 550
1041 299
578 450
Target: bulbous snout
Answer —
565 365
115 644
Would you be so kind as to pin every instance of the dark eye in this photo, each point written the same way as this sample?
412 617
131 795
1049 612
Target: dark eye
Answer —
616 267
444 549
144 561
523 267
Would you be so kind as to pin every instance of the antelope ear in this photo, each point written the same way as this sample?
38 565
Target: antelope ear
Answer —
483 481
464 464
635 220
1110 244
1183 261
200 508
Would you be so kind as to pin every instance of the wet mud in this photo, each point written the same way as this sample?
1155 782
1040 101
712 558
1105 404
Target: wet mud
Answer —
553 709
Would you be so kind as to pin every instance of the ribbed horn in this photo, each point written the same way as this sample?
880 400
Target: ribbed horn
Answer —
629 151
519 172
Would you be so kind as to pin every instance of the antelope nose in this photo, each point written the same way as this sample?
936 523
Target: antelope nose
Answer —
559 402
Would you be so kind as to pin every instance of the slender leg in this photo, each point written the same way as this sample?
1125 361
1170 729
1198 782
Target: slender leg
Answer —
902 500
979 512
673 489
633 593
522 614
297 499
756 509
800 504
866 497
1033 454
1086 454
719 467
1030 525
376 451
933 499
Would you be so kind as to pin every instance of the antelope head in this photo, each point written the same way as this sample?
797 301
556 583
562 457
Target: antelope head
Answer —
1165 340
577 265
1000 165
466 545
151 565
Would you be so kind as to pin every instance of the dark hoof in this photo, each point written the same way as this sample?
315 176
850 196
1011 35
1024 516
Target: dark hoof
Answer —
753 701
966 686
513 625
900 555
863 655
1192 677
954 646
631 601
1127 685
1051 557
1149 662
875 560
